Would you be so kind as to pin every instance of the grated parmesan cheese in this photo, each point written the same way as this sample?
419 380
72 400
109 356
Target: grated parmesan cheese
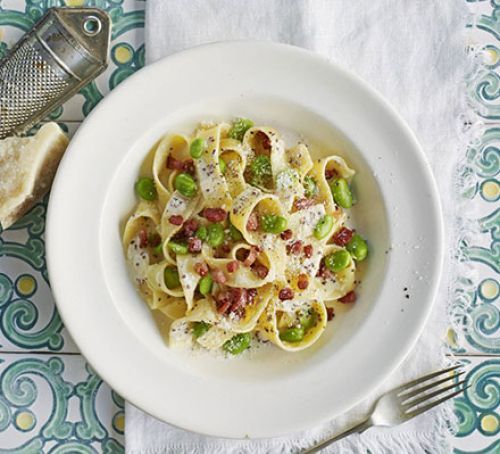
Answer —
138 260
15 163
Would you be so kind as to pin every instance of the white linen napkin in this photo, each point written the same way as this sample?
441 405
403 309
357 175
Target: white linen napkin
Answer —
413 52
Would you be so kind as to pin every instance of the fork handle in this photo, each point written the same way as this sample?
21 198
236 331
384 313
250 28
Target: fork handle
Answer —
358 428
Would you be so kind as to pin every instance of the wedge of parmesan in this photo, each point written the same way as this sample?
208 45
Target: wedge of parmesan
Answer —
27 168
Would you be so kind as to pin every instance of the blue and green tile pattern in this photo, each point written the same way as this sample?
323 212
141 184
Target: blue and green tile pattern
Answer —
57 404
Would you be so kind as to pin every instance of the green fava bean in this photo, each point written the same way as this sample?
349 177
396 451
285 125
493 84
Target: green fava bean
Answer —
215 235
341 193
171 277
178 248
323 227
271 223
280 224
145 189
158 250
292 335
307 321
185 184
261 171
338 261
222 166
310 187
202 233
205 285
197 148
239 128
357 247
200 328
235 233
238 343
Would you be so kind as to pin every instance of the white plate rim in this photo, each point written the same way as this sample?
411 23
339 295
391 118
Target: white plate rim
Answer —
62 291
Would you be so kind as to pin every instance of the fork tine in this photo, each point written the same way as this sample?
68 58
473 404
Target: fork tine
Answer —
427 377
407 395
426 397
420 410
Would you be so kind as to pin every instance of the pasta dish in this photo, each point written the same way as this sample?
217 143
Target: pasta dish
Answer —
237 238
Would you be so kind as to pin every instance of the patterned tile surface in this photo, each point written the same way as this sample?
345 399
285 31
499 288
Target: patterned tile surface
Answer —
127 47
477 409
51 401
57 404
476 308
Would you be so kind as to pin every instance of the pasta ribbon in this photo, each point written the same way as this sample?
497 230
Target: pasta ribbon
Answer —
237 237
188 277
337 164
173 308
335 285
298 158
178 205
156 279
174 146
146 216
235 158
250 200
213 186
274 323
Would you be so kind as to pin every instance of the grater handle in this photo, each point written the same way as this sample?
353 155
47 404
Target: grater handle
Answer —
65 50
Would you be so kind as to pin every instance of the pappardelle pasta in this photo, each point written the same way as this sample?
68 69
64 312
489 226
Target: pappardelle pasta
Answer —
237 237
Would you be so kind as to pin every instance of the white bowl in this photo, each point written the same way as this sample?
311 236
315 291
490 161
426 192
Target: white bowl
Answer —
269 392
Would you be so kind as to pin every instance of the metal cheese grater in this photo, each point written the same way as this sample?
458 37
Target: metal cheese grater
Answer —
64 51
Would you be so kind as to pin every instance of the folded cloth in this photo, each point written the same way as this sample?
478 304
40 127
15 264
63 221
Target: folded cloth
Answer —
413 52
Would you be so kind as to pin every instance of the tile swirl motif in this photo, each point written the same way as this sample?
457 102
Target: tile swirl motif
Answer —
478 317
480 174
33 250
477 410
476 310
489 256
21 392
19 313
484 88
25 385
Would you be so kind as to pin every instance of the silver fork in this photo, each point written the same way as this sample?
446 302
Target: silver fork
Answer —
405 402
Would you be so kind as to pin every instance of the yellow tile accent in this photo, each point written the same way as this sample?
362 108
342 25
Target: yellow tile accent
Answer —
123 54
75 2
25 420
451 337
491 56
489 423
490 190
26 285
489 289
120 422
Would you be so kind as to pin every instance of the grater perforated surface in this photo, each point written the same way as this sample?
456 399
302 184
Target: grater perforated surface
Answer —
27 86
50 64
